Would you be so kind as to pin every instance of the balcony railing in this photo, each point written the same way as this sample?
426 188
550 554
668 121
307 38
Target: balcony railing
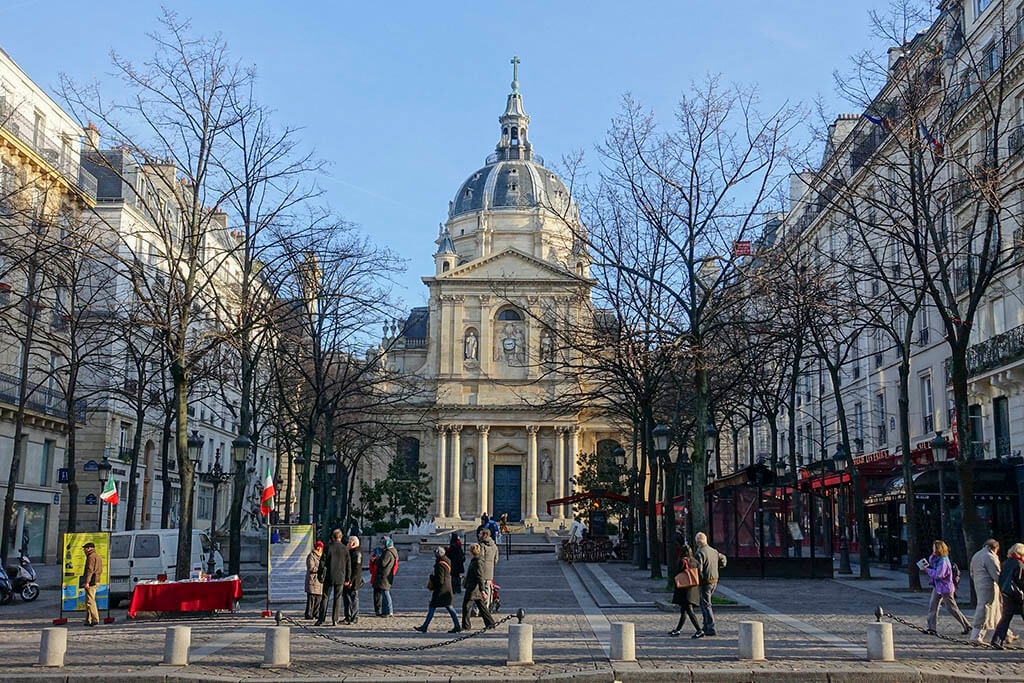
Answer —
992 353
67 163
415 342
41 400
960 191
1016 140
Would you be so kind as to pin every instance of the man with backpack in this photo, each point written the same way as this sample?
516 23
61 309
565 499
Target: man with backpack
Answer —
384 577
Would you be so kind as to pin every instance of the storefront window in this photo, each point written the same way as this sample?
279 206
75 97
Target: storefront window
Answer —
28 529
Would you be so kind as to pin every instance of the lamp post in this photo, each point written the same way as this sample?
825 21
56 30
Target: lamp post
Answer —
330 489
195 453
839 463
299 463
240 449
216 477
662 434
939 449
711 444
103 472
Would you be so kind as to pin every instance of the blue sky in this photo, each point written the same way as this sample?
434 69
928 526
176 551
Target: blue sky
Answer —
402 99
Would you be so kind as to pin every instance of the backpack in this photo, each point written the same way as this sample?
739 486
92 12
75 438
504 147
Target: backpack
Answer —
394 569
956 573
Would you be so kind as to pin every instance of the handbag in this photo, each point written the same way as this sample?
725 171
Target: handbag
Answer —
688 578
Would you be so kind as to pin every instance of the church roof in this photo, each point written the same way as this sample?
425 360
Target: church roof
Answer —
513 177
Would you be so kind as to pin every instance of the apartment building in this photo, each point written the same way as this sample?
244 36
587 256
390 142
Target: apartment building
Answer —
43 191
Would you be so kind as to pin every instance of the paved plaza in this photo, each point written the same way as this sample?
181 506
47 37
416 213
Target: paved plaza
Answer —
814 630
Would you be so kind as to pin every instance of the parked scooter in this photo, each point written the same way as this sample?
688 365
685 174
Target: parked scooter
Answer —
23 583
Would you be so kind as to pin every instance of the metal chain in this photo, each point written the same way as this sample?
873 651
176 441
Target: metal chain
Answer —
381 648
879 613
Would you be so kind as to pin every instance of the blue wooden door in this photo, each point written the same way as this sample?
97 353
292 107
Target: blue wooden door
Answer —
507 492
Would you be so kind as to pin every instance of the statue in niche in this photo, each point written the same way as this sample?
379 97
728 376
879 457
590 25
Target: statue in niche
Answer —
547 347
471 346
469 468
545 467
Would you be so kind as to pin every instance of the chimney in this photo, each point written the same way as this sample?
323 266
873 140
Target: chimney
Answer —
895 55
92 137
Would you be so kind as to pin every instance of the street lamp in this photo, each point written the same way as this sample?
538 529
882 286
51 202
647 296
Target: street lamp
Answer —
195 448
216 477
840 464
620 456
103 472
329 491
710 441
240 448
940 448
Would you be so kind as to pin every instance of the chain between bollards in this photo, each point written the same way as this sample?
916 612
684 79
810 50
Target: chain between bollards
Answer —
880 612
520 614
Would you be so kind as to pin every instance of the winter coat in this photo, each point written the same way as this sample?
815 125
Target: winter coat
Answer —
488 559
374 565
985 574
941 573
385 569
709 561
334 565
691 595
1011 579
93 569
355 569
473 585
457 556
493 526
313 584
441 580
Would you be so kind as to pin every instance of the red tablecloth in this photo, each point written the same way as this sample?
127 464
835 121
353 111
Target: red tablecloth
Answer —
193 596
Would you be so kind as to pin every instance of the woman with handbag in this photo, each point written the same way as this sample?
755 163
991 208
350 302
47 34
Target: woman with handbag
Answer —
440 586
687 592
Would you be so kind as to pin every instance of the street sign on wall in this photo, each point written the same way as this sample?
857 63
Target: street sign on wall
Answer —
90 466
62 475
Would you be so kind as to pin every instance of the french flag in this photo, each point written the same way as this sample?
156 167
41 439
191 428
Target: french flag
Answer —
936 145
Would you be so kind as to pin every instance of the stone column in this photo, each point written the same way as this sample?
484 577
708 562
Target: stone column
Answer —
483 469
574 467
442 447
531 474
456 470
560 469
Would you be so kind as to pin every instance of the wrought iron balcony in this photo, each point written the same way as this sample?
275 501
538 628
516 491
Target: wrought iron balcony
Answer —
960 191
49 148
992 353
41 399
1016 140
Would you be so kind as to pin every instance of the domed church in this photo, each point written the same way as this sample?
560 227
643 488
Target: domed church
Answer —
507 269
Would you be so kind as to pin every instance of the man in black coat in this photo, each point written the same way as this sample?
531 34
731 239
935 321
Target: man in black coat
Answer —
474 586
355 580
334 574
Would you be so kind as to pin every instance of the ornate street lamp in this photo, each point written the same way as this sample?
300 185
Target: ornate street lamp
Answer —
940 448
840 465
240 448
710 441
620 456
103 473
195 448
215 477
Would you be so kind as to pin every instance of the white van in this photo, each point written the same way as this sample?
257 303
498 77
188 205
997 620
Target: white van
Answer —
151 553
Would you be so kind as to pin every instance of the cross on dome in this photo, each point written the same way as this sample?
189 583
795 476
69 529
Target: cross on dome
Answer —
515 124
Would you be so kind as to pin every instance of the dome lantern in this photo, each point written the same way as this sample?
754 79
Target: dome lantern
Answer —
515 124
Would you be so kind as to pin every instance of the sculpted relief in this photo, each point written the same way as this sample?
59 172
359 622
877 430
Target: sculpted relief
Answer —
510 344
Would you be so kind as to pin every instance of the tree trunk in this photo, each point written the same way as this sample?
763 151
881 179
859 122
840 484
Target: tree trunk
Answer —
973 532
165 480
903 403
307 454
69 465
798 549
641 507
238 486
860 509
133 487
185 472
700 461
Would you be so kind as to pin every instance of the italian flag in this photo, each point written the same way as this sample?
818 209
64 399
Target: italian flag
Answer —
267 499
109 494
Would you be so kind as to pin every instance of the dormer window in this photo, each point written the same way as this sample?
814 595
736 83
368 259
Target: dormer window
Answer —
469 193
512 187
476 176
513 171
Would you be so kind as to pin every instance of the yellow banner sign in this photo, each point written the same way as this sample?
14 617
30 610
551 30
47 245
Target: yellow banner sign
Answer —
72 594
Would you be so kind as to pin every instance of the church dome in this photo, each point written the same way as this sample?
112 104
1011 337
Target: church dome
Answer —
513 177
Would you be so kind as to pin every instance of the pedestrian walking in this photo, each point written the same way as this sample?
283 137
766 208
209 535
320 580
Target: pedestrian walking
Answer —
488 562
334 574
457 556
386 571
440 586
687 591
314 587
355 580
985 569
483 523
709 561
354 530
474 591
943 580
1011 587
90 581
374 565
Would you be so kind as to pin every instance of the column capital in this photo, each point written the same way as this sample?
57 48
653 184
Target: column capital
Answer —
440 428
455 428
532 429
574 429
483 429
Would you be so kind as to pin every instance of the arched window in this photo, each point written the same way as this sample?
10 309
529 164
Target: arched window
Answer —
445 266
509 314
409 453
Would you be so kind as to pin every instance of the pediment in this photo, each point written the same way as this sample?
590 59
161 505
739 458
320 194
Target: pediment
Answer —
509 264
507 449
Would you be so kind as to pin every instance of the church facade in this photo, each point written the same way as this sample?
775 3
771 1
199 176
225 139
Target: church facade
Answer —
506 268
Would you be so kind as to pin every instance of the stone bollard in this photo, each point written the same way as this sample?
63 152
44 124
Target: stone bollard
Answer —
623 644
53 644
520 645
277 648
751 640
880 646
176 644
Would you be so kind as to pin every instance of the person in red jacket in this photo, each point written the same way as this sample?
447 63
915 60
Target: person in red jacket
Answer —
374 566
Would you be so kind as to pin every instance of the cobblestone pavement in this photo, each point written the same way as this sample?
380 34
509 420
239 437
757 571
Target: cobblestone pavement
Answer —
819 638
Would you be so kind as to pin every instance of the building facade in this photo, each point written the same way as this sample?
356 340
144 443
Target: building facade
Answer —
506 266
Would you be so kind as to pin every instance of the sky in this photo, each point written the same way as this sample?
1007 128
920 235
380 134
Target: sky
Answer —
402 99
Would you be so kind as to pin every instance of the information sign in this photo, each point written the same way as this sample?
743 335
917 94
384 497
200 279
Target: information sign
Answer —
72 594
289 545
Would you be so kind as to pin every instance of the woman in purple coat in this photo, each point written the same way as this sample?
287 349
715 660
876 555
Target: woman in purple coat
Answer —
940 569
